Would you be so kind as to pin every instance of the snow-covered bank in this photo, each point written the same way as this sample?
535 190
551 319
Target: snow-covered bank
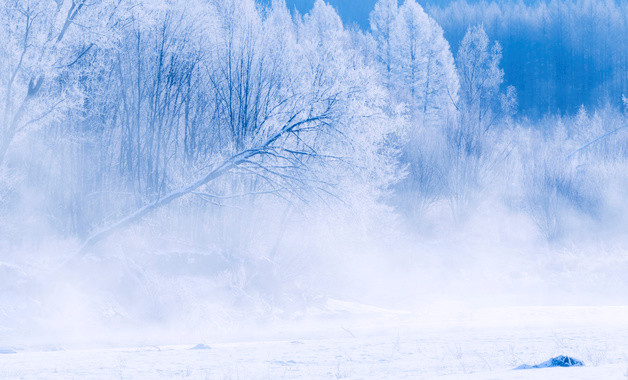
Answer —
617 371
394 346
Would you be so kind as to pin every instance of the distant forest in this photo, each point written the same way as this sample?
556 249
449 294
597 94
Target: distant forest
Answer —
558 54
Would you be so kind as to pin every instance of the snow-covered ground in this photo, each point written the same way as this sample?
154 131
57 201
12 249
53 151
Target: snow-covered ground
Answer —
447 344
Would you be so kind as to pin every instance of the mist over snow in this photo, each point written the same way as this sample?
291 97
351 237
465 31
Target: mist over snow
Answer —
206 172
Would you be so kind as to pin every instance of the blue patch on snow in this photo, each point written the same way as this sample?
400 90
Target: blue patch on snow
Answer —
559 361
200 346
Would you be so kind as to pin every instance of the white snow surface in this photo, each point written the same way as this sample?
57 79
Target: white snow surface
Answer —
353 341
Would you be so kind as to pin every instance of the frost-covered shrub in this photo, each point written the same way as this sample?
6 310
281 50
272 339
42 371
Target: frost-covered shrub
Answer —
570 168
553 192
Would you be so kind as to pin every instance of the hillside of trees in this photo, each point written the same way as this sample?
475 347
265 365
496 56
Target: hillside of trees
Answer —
546 44
203 160
558 54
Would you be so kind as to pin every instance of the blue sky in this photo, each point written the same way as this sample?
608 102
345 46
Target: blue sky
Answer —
354 11
351 11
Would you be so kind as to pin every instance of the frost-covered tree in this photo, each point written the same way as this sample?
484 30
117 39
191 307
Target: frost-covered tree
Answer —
44 58
41 45
271 107
442 85
481 106
410 46
415 59
414 55
20 70
481 78
383 23
218 126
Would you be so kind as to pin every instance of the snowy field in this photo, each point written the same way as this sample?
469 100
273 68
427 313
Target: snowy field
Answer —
480 344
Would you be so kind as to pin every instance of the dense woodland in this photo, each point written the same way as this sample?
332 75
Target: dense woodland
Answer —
192 149
558 54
